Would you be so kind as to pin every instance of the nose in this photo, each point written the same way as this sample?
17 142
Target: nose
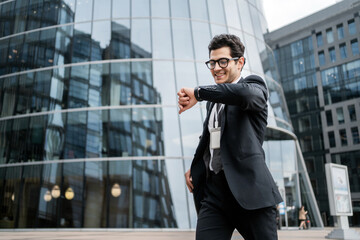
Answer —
217 66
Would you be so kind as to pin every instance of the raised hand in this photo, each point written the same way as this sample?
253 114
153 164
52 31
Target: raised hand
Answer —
186 99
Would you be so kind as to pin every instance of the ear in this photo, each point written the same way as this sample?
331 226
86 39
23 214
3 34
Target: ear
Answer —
240 63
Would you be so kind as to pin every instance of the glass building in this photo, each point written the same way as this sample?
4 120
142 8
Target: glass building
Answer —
90 136
319 64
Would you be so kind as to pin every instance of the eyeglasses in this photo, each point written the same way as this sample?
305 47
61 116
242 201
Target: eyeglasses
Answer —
222 62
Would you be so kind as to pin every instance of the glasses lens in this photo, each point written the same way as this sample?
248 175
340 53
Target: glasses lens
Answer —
223 62
211 64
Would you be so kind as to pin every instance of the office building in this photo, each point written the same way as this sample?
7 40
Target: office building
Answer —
90 135
319 65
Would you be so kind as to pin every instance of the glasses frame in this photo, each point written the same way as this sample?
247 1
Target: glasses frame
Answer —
218 62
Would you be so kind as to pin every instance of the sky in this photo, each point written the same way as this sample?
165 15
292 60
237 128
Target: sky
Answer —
279 13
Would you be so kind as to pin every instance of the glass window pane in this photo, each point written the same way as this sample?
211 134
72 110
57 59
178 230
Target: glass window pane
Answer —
216 11
332 54
183 48
198 10
352 113
343 51
321 58
120 39
140 8
82 42
245 17
179 9
355 47
232 14
352 27
319 39
161 34
101 36
343 137
140 38
160 8
201 34
329 36
120 8
340 115
340 31
355 135
329 118
102 9
83 10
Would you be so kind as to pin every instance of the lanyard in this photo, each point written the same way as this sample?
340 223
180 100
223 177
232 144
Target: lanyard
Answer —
217 111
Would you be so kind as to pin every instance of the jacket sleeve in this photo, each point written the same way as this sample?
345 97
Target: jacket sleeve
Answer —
249 93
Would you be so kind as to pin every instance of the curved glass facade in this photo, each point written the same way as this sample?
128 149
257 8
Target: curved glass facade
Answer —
89 130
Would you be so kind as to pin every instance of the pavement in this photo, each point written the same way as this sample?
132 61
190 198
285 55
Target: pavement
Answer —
142 234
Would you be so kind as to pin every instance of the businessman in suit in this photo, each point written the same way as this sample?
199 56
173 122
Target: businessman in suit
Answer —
231 184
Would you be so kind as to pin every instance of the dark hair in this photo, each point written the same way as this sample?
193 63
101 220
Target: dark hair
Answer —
237 48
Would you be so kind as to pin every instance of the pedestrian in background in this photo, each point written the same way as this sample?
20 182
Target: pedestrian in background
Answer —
302 217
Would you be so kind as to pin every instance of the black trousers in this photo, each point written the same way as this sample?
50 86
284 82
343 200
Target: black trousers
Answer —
220 215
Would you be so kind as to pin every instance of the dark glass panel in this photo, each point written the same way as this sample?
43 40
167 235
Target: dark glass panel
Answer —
120 39
10 195
82 42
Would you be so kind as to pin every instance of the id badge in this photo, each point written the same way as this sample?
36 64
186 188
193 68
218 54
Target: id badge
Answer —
215 134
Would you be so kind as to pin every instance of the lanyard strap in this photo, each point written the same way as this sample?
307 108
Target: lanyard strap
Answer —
217 112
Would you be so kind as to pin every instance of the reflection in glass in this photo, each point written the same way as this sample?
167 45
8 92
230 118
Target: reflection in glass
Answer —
161 39
183 48
159 8
83 8
140 38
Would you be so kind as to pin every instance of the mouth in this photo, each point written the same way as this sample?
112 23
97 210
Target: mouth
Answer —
220 74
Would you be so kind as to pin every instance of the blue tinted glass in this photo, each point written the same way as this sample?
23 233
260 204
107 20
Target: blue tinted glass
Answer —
198 10
216 11
232 14
83 10
201 33
355 47
161 35
340 31
102 9
140 38
179 8
343 51
321 58
101 39
329 36
183 48
140 8
120 8
120 39
82 42
352 27
319 39
332 54
160 8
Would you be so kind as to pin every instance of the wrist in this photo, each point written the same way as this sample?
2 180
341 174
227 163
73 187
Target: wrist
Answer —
197 94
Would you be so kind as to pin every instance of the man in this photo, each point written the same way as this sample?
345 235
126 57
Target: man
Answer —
232 186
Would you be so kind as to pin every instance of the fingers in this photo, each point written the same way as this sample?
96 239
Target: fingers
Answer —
188 179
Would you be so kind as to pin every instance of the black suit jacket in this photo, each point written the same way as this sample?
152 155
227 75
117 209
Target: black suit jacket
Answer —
243 127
